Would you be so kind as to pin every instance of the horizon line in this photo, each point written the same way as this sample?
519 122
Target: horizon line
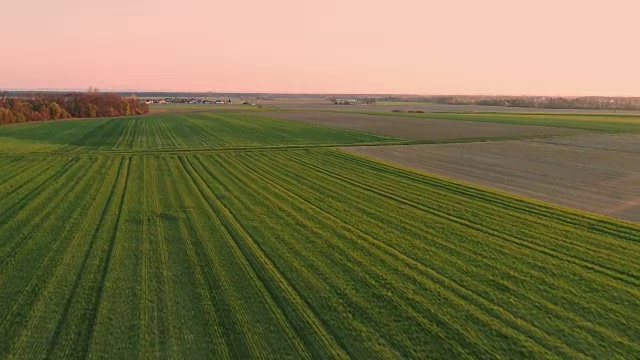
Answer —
305 93
309 93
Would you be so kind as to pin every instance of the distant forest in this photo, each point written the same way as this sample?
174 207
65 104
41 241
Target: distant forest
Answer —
545 102
54 106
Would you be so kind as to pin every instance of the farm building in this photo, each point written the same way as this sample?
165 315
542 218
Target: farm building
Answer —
347 101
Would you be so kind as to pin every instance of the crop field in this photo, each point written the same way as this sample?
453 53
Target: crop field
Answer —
185 132
252 247
611 123
389 106
173 108
417 128
596 173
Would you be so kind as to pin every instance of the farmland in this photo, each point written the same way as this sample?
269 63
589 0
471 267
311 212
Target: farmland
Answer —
587 120
172 132
227 235
418 128
428 107
596 173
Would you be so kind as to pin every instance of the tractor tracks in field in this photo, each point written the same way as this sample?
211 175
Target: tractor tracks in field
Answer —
78 276
85 151
629 279
486 310
48 264
376 251
109 252
280 290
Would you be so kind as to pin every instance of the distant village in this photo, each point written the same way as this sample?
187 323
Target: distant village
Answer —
178 100
352 101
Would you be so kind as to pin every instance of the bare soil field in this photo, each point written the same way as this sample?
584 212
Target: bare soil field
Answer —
595 173
417 128
618 142
323 104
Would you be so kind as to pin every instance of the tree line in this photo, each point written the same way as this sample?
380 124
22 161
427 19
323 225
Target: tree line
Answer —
545 102
44 107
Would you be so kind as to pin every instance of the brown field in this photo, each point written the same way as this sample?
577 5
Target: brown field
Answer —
595 173
296 103
417 128
620 142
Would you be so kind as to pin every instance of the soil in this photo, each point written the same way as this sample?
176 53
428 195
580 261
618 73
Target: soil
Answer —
417 128
595 173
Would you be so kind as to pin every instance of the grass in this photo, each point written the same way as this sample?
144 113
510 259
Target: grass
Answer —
290 253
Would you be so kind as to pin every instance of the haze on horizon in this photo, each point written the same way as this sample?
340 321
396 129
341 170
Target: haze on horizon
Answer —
565 47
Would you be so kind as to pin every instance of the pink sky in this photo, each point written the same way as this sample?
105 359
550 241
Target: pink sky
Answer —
564 47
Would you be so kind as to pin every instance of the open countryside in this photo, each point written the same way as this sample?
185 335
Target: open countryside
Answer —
245 235
319 180
160 133
425 127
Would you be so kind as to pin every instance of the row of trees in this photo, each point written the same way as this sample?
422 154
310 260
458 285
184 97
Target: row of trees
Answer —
585 102
545 102
43 107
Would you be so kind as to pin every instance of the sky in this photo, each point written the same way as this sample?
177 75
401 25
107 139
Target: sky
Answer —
492 47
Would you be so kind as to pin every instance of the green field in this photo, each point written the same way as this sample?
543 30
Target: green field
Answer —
118 239
610 123
184 132
190 108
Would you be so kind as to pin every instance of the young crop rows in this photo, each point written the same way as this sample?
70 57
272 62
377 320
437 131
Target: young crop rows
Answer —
294 253
187 132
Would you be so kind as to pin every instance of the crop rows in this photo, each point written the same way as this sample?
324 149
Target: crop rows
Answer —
299 254
187 132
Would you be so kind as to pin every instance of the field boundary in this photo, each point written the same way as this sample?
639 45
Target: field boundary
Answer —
596 126
99 152
512 196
